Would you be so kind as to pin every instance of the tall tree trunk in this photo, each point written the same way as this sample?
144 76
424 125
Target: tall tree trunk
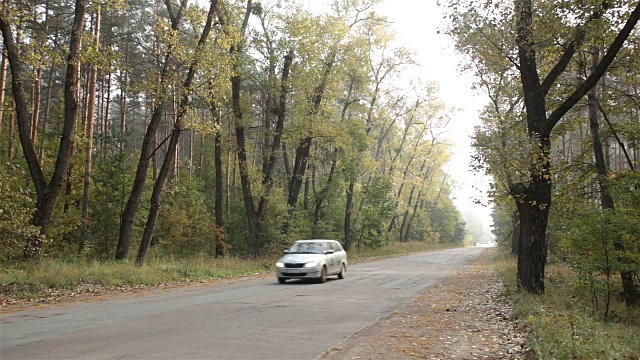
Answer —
515 232
322 195
171 155
148 144
47 105
219 191
105 119
407 231
123 107
348 231
405 217
3 83
285 160
305 196
93 76
403 226
631 295
192 138
37 86
11 130
201 155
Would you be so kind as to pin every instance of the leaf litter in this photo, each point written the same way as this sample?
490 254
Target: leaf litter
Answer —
466 316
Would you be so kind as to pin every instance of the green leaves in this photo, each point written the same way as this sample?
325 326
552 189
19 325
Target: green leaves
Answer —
17 205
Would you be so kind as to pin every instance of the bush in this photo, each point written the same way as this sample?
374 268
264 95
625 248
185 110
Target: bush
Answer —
17 206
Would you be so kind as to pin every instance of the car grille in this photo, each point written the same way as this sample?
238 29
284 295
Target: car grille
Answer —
294 274
293 266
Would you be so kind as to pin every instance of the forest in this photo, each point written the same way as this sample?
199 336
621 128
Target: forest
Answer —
141 128
144 131
232 128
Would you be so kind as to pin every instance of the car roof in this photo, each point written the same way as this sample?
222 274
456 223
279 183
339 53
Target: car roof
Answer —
315 241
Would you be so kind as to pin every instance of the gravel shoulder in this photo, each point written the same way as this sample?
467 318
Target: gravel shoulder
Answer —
464 317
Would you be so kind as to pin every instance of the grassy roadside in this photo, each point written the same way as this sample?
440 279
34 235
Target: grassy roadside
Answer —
566 323
54 279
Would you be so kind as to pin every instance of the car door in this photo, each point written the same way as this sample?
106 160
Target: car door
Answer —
340 255
335 258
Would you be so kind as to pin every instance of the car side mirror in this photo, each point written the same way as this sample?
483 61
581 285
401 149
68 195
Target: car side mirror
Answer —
328 252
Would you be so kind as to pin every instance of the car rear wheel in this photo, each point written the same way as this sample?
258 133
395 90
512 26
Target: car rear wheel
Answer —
323 275
343 271
282 280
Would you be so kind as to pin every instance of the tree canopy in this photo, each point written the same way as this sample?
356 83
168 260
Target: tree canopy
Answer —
219 127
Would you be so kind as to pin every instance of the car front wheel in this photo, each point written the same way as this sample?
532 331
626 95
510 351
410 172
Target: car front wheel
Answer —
323 275
282 280
343 271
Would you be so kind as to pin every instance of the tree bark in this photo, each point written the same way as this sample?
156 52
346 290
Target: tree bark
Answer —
47 104
219 191
123 107
12 125
86 194
3 82
348 231
105 119
515 232
322 195
37 86
285 160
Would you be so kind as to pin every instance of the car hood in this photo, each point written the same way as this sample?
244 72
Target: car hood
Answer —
301 258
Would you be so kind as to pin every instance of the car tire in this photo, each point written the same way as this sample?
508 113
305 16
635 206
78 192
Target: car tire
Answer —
282 280
343 270
323 275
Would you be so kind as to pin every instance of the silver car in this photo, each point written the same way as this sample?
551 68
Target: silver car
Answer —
312 259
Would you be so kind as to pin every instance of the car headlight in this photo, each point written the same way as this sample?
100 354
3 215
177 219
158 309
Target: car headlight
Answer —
279 264
311 264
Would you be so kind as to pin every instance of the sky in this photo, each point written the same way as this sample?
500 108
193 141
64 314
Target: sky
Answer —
417 23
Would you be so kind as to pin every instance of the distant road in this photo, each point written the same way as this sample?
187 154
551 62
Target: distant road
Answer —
255 319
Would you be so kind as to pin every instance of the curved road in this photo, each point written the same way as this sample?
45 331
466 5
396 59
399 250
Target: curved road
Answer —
255 319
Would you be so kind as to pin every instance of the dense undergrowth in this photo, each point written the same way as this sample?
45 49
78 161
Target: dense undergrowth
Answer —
52 278
568 321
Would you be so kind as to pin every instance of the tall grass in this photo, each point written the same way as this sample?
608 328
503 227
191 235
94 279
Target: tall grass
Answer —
564 322
37 281
48 276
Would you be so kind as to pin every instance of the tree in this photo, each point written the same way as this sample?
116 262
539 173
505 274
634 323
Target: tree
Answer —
631 295
534 199
46 192
148 144
93 74
546 101
175 136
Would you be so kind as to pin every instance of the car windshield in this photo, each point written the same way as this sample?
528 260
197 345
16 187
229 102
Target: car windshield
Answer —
307 248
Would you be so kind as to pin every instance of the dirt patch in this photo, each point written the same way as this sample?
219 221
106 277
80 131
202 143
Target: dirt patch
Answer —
464 317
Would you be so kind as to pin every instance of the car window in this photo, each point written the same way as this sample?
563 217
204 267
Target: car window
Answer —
336 246
307 248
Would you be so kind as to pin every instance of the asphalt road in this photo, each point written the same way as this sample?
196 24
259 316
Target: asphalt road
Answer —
255 319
